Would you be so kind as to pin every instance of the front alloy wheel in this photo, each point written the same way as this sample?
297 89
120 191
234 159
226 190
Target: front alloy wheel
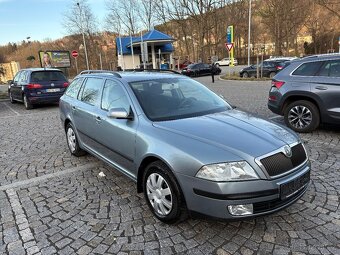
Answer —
162 193
302 116
11 98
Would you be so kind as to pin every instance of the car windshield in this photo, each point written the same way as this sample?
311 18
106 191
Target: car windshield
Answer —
47 76
176 98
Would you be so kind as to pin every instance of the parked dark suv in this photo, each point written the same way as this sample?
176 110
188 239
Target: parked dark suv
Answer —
37 85
307 92
198 69
269 69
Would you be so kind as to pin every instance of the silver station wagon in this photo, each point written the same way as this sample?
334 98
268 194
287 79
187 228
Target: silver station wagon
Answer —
187 149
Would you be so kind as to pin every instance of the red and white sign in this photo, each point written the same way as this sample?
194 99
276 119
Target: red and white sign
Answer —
229 46
74 54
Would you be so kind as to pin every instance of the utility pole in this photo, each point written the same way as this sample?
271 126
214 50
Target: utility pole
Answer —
82 31
249 27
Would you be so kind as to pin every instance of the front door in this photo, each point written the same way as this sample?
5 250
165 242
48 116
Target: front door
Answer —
117 136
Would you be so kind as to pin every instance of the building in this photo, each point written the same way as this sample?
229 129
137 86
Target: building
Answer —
9 70
151 50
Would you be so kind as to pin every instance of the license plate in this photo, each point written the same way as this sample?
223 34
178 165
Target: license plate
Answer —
53 90
290 188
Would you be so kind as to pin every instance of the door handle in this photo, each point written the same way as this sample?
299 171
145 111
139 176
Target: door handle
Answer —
321 88
98 119
74 108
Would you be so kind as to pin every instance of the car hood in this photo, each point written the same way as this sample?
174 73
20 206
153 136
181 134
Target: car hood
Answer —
235 131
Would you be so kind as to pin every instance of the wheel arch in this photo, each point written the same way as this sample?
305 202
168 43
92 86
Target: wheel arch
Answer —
302 96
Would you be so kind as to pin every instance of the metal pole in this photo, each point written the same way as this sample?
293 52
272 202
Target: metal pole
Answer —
133 57
76 60
100 60
82 31
143 51
249 26
121 52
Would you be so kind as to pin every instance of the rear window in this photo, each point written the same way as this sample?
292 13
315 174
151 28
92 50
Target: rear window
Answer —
41 76
308 69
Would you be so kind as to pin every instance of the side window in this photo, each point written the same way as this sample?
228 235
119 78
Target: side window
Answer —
324 70
334 68
17 77
73 89
23 77
308 69
114 96
91 91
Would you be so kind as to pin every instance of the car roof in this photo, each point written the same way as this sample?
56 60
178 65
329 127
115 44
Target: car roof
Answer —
132 76
323 56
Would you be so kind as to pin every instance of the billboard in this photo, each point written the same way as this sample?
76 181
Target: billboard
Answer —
54 59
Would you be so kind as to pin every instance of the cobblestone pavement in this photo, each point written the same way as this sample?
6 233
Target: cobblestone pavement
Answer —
54 203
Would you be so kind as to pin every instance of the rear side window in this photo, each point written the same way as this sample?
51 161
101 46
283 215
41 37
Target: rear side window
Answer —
334 68
23 76
41 76
91 91
308 69
73 89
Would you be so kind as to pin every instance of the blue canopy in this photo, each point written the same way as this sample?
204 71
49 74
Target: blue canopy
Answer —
161 41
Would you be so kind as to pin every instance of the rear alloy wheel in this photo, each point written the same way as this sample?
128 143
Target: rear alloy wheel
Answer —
245 75
28 105
302 116
72 141
272 74
11 98
162 193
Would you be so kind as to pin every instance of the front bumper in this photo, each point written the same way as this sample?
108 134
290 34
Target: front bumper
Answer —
213 198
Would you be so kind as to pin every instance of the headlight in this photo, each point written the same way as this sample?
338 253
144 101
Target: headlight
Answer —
223 172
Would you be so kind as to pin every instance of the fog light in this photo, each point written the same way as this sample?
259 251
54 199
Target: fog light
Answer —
240 210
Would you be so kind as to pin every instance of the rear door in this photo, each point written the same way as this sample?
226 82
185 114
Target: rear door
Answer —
326 84
49 82
85 112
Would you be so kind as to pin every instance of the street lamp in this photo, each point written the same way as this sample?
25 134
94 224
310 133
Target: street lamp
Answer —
82 31
249 25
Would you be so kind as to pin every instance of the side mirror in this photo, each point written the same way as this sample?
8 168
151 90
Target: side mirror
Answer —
9 82
119 113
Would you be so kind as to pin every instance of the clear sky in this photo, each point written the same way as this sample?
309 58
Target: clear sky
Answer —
39 19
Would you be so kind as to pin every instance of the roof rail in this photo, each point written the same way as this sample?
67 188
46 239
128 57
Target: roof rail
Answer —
152 70
100 72
335 54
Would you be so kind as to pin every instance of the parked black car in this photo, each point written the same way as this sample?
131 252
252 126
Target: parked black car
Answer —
269 69
198 69
37 85
307 92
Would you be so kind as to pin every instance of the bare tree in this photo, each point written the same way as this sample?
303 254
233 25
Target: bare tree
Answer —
123 16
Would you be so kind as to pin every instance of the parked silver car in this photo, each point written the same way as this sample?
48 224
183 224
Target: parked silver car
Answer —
186 148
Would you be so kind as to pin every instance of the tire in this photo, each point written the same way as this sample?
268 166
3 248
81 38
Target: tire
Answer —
11 98
28 105
272 74
72 141
158 178
245 75
302 116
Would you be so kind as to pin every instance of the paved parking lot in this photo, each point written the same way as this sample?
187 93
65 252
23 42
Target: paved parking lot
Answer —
54 203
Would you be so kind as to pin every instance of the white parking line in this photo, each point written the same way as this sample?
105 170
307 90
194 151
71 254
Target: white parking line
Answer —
11 109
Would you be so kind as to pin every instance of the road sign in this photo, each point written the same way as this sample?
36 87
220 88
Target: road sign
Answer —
74 54
229 46
230 32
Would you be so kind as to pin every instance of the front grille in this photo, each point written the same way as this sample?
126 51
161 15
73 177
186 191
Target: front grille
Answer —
278 163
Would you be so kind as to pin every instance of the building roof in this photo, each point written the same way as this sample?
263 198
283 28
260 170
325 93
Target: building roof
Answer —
162 41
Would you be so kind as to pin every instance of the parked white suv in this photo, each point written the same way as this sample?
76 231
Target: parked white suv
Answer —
225 62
